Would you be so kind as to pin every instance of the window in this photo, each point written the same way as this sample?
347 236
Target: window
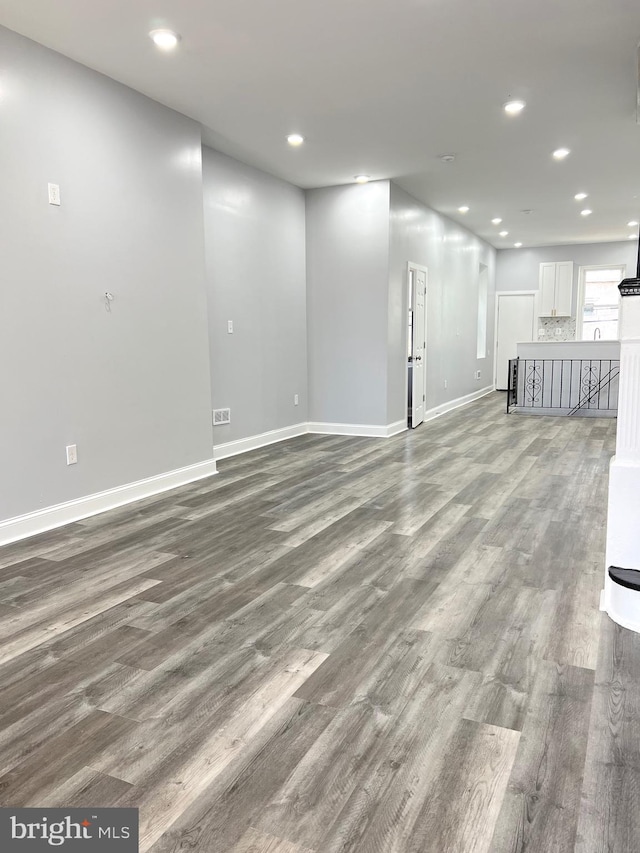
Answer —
599 303
483 292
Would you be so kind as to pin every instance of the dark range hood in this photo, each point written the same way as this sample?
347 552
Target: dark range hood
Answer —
631 286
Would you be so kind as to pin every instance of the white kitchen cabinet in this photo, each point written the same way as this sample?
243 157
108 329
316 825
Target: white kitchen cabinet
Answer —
556 289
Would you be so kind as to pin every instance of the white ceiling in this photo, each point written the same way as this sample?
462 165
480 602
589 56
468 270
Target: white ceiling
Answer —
383 87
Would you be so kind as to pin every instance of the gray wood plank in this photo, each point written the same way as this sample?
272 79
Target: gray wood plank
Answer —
338 644
541 805
610 806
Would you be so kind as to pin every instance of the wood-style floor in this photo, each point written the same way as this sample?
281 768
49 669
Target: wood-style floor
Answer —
338 644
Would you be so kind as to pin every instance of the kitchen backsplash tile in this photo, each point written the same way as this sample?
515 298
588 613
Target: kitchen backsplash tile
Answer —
549 325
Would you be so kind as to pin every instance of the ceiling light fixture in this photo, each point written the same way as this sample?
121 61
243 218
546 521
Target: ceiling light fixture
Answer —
496 221
580 196
513 107
632 224
463 209
504 233
362 179
447 158
586 212
295 139
164 39
561 153
517 245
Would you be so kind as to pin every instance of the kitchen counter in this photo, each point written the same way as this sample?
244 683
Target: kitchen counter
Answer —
569 349
577 377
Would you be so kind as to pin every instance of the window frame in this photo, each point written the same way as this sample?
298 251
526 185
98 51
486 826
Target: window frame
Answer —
582 275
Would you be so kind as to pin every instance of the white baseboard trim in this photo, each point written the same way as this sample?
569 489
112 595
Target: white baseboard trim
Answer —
362 430
23 526
51 517
253 442
455 404
396 428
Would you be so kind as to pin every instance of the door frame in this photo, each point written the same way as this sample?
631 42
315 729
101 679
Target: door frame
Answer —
499 293
580 295
418 268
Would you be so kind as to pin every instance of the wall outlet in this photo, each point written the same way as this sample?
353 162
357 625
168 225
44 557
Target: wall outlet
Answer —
541 333
72 454
445 383
221 416
478 374
558 331
230 326
54 194
295 400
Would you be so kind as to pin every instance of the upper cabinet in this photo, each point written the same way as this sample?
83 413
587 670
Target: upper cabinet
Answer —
556 289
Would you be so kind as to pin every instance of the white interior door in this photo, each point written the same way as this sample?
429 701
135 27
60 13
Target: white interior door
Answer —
418 349
515 323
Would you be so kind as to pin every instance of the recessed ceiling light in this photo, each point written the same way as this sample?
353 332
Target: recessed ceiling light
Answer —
517 245
513 107
503 233
632 224
447 158
164 39
580 196
463 209
561 153
295 139
362 179
496 221
586 212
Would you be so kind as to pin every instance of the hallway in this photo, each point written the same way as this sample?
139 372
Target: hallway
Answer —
338 644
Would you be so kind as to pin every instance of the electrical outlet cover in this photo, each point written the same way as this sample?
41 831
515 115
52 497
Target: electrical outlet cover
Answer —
54 194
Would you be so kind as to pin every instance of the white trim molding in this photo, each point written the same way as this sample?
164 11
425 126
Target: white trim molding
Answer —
33 523
582 270
22 526
363 430
455 404
253 442
396 428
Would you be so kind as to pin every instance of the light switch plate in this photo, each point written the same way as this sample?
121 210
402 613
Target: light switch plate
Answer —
230 326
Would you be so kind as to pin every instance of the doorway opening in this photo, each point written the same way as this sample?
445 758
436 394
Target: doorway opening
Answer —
515 323
416 344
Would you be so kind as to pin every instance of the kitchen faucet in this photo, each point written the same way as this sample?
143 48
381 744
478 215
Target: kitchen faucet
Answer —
597 329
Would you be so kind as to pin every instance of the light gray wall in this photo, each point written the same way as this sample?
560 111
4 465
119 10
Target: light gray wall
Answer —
129 387
347 298
452 256
255 249
518 269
